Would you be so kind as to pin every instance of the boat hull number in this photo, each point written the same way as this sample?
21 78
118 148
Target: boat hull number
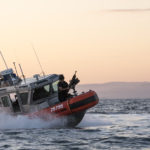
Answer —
58 107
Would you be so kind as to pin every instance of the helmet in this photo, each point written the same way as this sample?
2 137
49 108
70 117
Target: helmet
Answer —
61 77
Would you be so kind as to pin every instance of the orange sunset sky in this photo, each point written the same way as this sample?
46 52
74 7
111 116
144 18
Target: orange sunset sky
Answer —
104 40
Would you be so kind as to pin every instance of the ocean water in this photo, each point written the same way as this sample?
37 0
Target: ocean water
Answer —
114 124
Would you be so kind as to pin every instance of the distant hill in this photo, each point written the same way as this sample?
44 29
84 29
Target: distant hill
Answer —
116 90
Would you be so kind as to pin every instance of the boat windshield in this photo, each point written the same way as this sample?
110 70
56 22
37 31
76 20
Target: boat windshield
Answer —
42 92
55 86
45 91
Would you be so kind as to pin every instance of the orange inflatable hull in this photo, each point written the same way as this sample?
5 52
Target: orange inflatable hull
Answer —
75 107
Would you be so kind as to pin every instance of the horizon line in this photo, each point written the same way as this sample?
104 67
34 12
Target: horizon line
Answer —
115 82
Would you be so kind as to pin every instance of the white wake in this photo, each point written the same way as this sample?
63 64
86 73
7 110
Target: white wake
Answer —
24 122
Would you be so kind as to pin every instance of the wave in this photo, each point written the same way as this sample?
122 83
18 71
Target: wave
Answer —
94 120
90 120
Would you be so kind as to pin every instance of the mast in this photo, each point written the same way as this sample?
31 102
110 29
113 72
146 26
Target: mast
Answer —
38 60
15 68
4 60
22 73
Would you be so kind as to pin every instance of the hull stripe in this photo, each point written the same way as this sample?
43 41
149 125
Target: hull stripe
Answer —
83 102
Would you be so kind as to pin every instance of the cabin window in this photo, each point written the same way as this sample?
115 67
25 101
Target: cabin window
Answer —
24 98
55 86
0 103
41 92
5 101
47 88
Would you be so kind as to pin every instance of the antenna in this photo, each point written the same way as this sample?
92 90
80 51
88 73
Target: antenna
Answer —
4 60
22 74
15 68
38 60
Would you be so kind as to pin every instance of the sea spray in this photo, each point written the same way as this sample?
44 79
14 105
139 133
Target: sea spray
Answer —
24 122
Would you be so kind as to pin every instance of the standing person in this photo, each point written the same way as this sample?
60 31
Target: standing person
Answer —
63 88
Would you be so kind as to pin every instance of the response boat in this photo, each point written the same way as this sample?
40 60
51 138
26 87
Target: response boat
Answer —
38 97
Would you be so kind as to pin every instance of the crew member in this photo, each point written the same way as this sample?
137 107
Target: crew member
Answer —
63 89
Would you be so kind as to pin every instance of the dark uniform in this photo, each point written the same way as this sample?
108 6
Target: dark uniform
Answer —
62 94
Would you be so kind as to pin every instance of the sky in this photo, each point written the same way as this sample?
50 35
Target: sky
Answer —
104 40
